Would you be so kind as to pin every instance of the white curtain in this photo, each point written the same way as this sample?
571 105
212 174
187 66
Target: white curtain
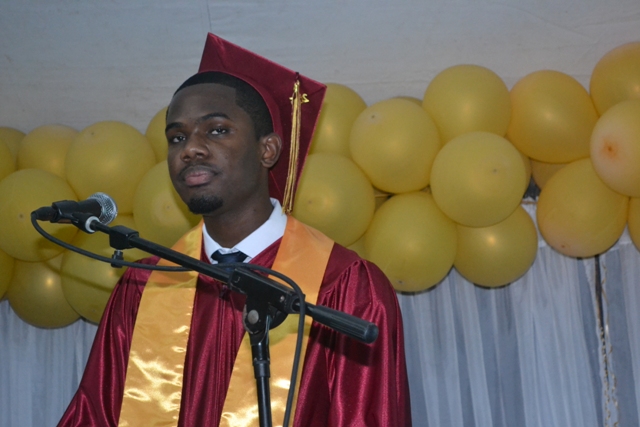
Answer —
622 309
530 354
39 369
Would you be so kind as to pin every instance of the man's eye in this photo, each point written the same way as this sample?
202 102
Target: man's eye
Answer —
175 139
219 130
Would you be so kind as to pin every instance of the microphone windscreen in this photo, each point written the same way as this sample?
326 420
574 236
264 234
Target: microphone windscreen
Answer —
109 210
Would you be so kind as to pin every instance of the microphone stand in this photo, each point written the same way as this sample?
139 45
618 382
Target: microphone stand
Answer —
268 302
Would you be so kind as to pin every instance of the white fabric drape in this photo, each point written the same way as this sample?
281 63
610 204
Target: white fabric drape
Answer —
621 281
528 354
518 355
39 369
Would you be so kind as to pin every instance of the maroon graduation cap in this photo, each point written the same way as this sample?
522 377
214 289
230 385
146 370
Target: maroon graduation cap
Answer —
294 102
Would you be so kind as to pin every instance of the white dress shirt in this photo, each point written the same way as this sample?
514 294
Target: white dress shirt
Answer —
270 231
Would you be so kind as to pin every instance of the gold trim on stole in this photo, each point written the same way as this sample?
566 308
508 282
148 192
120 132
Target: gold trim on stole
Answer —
303 256
153 383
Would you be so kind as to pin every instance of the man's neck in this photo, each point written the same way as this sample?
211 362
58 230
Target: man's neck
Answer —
230 228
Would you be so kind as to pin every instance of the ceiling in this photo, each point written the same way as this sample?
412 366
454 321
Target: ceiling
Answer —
77 62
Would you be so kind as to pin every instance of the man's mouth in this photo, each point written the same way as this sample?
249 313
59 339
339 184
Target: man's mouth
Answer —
197 175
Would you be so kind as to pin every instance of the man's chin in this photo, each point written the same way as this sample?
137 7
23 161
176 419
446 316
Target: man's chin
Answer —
204 205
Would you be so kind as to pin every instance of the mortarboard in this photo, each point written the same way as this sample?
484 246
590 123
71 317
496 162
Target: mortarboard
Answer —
293 100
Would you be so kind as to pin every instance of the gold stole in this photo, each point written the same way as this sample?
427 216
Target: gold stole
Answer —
153 383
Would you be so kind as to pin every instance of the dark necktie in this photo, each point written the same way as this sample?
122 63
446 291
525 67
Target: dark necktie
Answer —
228 258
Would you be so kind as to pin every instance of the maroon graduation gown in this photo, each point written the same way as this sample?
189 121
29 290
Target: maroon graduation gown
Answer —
345 383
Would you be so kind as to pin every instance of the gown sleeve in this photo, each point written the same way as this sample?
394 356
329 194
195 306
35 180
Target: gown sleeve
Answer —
346 382
98 399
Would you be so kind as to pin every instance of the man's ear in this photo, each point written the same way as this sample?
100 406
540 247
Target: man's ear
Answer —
271 147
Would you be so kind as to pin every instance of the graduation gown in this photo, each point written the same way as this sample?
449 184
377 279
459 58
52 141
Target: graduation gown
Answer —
344 383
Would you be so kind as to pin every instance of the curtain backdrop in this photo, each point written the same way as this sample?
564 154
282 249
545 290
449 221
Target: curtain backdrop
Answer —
531 354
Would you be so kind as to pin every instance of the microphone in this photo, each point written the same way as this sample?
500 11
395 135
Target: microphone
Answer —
98 205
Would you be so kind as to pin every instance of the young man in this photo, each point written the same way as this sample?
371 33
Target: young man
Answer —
174 354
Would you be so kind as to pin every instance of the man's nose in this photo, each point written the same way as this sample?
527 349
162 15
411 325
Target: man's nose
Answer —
195 147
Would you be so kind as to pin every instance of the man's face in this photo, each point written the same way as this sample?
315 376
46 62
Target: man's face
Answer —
215 161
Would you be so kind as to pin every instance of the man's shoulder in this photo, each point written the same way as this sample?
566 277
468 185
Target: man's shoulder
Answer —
346 255
347 261
354 284
140 275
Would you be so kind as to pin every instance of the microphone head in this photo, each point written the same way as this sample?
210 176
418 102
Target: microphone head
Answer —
109 210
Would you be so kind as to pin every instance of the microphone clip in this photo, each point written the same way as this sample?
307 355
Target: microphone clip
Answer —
117 255
83 221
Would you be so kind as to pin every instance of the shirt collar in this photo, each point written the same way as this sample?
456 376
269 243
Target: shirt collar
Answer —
270 231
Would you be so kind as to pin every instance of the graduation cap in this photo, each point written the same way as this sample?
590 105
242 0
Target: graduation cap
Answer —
293 100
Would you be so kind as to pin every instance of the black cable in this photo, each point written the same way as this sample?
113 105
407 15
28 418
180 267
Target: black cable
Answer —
118 262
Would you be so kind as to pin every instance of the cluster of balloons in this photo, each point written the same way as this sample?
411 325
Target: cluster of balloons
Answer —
418 186
447 173
47 285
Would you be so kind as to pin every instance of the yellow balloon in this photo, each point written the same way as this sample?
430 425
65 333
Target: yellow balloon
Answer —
6 272
411 241
156 136
46 148
12 137
468 98
35 294
499 254
335 197
340 108
542 171
21 193
413 99
616 77
109 157
552 117
615 147
7 164
634 221
394 142
478 179
88 283
528 168
160 214
578 215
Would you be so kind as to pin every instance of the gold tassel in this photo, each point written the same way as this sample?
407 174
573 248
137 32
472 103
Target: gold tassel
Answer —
297 100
